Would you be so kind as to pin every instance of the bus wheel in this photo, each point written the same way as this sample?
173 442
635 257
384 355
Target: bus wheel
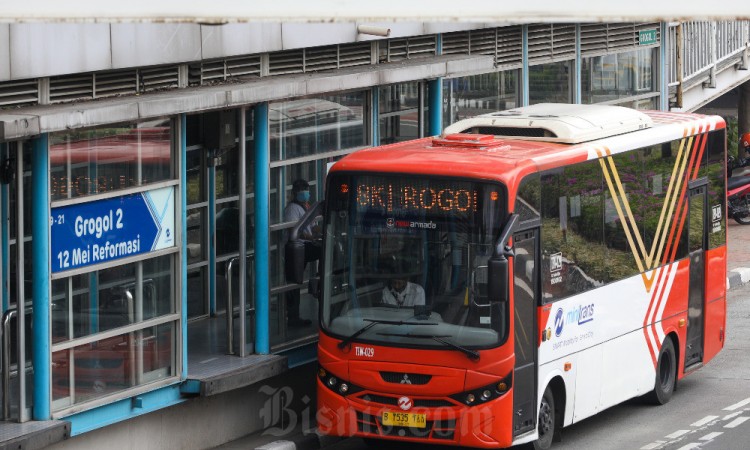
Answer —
666 374
546 422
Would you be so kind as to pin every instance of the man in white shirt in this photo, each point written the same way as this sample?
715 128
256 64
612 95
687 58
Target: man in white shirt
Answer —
400 292
293 212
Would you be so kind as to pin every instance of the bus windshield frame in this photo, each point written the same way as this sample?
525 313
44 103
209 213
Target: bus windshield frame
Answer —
402 250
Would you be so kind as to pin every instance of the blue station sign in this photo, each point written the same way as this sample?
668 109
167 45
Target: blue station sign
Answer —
100 231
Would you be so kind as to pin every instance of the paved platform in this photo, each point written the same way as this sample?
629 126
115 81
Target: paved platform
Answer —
32 435
738 257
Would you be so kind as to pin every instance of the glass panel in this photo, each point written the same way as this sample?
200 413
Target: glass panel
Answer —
94 370
196 176
112 365
399 109
551 83
524 298
478 94
413 250
89 161
697 220
611 77
158 284
158 352
85 321
115 302
196 235
573 251
227 228
227 173
310 126
528 199
197 292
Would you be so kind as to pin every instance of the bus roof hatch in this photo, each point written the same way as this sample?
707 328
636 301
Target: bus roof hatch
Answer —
560 123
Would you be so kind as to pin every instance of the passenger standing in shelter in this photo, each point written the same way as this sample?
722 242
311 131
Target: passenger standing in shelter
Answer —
293 212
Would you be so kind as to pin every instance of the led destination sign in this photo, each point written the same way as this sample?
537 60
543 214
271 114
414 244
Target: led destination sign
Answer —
437 197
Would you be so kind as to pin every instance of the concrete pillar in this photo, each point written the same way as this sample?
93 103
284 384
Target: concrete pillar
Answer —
743 112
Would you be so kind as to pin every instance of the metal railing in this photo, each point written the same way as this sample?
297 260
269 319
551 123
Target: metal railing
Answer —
250 305
698 50
6 369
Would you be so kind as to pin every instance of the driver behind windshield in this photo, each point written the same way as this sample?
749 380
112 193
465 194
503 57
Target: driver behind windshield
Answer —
400 292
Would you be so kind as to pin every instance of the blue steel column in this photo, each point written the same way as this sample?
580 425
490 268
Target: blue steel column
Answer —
4 236
182 143
435 102
663 89
262 233
40 246
525 69
375 94
435 98
577 74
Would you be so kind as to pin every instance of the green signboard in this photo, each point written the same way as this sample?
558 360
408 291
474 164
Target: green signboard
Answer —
647 37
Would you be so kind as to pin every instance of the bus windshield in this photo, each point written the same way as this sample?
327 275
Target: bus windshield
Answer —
405 251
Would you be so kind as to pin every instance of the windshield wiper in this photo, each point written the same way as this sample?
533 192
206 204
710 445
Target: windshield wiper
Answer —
374 322
471 354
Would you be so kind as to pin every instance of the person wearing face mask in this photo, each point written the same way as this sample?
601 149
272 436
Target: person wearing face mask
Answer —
293 212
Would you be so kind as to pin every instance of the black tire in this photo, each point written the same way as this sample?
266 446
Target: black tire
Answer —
742 217
666 374
547 421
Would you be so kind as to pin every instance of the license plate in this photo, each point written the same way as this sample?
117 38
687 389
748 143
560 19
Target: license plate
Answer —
404 419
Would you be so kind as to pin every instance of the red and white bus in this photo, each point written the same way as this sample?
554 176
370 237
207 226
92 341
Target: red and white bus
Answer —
570 257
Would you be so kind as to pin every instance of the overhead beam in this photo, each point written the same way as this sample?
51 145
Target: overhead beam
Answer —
326 11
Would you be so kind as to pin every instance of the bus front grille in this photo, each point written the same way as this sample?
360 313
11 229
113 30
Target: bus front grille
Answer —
418 402
405 378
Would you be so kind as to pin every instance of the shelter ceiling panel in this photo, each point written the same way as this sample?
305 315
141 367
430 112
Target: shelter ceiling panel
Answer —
240 39
45 49
146 44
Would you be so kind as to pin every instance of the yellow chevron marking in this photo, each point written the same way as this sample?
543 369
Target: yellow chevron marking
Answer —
626 202
675 194
620 213
627 218
665 206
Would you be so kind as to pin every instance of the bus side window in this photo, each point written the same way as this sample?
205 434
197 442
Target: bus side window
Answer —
528 199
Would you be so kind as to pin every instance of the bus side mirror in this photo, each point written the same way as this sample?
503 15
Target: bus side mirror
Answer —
497 282
294 261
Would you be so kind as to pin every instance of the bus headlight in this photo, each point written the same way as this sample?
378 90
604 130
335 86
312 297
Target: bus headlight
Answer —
336 384
485 393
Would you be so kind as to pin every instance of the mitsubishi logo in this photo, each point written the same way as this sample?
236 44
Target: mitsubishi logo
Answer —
404 403
406 379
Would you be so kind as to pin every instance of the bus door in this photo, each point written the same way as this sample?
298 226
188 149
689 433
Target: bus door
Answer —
697 239
525 277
